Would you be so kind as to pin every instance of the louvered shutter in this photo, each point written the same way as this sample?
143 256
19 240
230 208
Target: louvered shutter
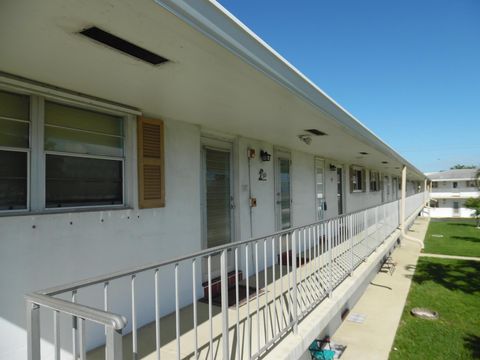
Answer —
151 170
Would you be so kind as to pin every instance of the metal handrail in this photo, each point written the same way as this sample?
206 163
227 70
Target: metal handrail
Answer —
117 322
56 290
336 230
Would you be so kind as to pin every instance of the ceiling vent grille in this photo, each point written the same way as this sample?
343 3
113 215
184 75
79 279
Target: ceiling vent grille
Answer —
315 132
122 45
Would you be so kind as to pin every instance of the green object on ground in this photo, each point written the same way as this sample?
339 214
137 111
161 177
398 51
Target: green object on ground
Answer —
451 287
460 237
319 353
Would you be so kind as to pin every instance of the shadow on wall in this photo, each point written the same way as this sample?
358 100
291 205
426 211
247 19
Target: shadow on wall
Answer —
472 343
458 276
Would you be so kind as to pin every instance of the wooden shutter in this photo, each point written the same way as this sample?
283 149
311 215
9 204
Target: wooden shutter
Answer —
151 169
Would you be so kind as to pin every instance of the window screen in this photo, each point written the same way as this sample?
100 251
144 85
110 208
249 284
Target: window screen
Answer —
84 157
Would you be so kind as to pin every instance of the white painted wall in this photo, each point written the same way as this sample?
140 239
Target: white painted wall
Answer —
39 251
445 209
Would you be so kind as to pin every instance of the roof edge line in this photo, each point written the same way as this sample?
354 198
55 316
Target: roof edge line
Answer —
282 71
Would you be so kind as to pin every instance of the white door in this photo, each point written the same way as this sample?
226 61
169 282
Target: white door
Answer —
283 191
218 203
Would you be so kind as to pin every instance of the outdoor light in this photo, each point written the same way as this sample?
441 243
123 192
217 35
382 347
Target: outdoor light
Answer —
265 156
333 167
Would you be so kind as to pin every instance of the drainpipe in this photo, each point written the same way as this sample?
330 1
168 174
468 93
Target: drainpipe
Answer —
402 209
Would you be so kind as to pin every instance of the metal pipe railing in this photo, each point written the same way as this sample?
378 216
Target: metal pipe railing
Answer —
305 265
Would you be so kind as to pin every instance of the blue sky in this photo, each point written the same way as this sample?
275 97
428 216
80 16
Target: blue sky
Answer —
407 69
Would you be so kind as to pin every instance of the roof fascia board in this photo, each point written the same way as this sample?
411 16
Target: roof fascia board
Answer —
215 22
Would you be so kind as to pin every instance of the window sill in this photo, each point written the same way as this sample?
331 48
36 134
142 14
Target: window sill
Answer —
55 211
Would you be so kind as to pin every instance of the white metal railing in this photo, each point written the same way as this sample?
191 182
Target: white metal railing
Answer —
299 268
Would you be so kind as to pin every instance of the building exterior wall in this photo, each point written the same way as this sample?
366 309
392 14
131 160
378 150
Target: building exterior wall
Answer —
445 195
40 251
44 250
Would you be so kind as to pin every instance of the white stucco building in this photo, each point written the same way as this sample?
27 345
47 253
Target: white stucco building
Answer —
450 190
149 132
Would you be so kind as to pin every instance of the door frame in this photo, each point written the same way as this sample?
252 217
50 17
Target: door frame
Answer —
279 153
343 183
218 145
315 159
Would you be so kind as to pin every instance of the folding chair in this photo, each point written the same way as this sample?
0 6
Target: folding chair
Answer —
318 351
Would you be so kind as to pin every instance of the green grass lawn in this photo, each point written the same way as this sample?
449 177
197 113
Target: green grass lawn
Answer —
460 237
451 287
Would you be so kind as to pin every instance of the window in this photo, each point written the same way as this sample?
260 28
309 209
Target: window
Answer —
84 157
14 150
357 179
54 155
434 184
455 184
374 181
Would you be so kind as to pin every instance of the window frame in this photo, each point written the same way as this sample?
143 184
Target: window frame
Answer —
27 150
36 153
362 170
373 174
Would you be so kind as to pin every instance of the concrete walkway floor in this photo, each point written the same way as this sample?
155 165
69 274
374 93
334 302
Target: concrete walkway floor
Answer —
455 257
382 304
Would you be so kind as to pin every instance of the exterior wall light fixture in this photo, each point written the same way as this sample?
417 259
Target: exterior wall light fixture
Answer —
265 156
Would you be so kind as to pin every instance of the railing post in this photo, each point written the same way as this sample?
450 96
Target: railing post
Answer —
33 331
330 269
114 344
365 233
294 285
224 292
350 233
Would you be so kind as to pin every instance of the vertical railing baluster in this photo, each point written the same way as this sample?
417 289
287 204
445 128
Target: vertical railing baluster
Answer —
114 344
282 300
249 319
266 311
365 233
294 274
105 308
194 300
350 223
224 302
74 329
209 275
274 283
237 300
56 334
257 298
33 331
288 278
81 338
134 320
157 314
330 258
177 312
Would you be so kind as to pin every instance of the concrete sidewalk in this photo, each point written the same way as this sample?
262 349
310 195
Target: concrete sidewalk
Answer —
381 305
455 257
